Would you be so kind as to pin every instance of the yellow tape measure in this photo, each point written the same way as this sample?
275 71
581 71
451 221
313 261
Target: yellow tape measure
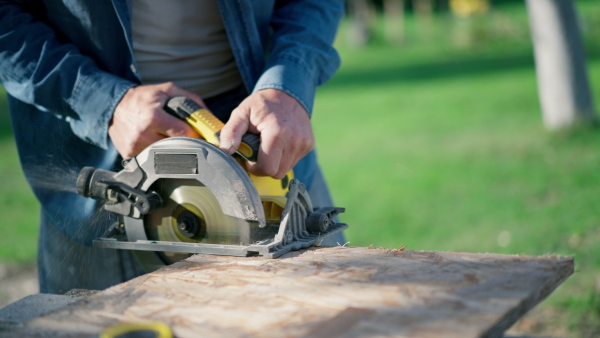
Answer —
144 329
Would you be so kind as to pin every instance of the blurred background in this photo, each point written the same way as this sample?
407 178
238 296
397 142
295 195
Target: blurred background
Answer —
431 136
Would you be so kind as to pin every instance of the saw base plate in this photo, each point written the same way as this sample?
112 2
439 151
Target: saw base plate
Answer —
267 249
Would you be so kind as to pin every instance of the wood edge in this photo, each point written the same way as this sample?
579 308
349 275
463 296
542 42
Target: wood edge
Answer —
565 270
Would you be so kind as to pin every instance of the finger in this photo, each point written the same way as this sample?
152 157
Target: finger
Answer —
170 126
288 161
305 146
270 155
145 141
291 155
173 90
137 145
297 148
234 129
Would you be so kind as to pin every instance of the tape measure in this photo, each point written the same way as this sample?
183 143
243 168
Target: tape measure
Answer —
138 330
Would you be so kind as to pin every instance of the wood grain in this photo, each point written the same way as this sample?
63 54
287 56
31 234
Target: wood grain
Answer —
325 292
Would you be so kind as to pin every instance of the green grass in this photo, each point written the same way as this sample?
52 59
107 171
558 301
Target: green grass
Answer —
437 146
18 206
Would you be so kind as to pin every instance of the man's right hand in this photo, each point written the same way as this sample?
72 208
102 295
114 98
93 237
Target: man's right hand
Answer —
140 120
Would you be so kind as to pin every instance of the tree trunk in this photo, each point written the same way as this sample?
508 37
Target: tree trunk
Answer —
424 15
560 64
394 20
360 22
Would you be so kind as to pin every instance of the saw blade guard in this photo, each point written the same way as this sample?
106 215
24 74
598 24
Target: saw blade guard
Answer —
195 159
208 198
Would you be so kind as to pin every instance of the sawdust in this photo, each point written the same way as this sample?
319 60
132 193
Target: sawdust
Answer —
389 251
53 177
81 293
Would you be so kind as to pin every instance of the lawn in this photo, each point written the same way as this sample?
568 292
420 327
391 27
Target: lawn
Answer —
18 206
437 145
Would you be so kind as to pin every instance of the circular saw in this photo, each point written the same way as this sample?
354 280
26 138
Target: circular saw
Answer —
184 195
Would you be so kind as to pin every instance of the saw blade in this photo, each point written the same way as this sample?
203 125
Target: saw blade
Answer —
191 213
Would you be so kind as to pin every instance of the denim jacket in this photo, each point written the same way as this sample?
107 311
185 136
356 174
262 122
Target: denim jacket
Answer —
75 57
67 63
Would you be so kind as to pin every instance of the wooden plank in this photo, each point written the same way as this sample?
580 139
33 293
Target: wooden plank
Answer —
326 292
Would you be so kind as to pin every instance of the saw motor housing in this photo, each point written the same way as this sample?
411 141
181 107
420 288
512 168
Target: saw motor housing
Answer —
269 225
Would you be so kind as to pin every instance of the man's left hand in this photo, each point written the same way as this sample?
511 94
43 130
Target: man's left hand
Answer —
284 127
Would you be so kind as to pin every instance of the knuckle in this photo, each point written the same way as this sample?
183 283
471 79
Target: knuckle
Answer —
270 173
265 170
135 134
289 134
277 132
153 117
170 85
281 174
309 143
236 129
237 112
129 152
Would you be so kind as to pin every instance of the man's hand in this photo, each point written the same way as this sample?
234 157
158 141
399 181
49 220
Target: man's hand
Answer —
139 119
284 128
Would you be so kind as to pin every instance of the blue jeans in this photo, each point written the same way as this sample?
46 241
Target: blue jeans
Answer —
65 263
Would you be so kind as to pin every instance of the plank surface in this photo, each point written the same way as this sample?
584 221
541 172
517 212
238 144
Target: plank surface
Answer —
325 292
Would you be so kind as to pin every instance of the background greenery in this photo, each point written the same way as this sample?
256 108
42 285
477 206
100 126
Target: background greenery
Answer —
437 144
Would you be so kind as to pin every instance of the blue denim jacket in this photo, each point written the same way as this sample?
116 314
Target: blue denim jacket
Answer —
75 57
67 63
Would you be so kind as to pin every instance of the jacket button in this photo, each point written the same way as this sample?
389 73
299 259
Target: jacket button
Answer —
132 67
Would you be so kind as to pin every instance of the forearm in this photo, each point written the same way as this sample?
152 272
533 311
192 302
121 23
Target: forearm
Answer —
38 69
302 56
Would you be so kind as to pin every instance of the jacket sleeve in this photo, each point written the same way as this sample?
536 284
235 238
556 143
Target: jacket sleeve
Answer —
39 69
302 56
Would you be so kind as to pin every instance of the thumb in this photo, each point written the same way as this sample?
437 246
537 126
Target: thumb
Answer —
234 129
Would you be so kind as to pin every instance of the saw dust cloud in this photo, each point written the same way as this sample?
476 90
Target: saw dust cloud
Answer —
78 260
63 178
57 178
53 177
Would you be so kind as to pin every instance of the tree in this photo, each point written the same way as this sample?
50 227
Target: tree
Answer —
394 20
560 64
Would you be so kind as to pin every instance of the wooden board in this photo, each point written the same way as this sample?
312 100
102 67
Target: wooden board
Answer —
326 292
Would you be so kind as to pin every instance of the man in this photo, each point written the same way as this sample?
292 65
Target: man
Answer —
77 71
